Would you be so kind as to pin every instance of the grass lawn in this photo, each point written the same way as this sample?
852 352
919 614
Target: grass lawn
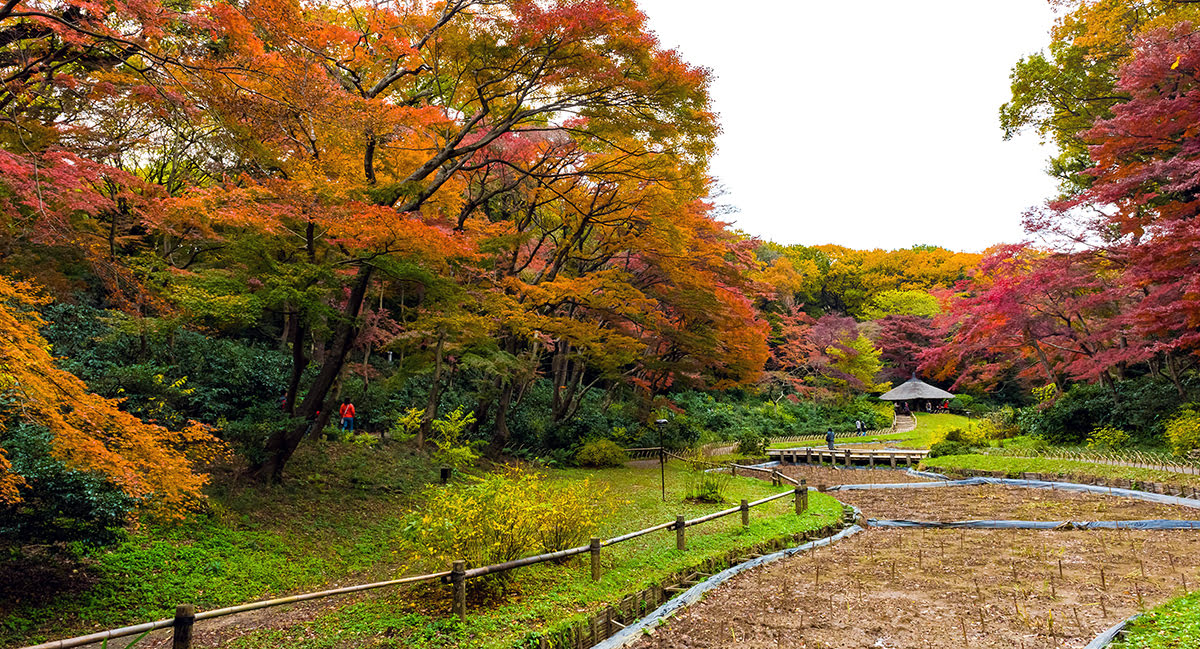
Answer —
334 522
1173 625
548 596
1014 466
931 428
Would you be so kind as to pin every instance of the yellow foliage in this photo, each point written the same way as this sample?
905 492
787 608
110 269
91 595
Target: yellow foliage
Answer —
505 516
91 433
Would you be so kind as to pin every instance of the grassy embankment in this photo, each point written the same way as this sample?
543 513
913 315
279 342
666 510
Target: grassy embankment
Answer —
1174 625
335 523
1014 466
931 428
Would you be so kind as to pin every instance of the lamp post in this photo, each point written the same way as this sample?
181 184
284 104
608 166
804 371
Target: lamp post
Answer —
662 458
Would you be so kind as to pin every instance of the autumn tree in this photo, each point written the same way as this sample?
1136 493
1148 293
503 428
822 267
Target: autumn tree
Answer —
90 433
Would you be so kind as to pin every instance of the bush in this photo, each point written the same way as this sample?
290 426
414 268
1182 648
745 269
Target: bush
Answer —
450 445
601 453
948 447
1107 437
1183 430
751 442
58 504
505 516
707 487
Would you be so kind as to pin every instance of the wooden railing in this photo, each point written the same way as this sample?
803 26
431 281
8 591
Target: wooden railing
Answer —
186 615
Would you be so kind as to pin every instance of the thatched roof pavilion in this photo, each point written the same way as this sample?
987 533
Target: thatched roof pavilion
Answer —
915 388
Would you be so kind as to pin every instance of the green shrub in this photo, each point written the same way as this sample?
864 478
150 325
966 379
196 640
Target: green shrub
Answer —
949 447
601 453
1183 430
707 486
752 442
504 516
1108 437
450 445
58 504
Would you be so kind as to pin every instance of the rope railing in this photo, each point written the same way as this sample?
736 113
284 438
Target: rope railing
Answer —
186 616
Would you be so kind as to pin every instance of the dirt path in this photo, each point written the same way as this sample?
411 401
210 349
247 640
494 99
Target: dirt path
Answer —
892 589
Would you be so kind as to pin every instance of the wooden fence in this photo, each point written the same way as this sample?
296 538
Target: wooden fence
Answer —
186 615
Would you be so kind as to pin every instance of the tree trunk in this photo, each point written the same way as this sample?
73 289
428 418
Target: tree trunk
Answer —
283 443
435 390
500 432
1173 372
297 333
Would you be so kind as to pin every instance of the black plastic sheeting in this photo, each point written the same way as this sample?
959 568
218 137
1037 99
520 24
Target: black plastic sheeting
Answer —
1104 639
1032 484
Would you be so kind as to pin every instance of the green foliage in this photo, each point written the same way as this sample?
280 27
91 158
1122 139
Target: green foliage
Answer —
706 486
950 447
58 504
1183 430
1108 438
862 363
450 446
1173 625
1141 409
601 453
751 443
504 516
918 303
725 416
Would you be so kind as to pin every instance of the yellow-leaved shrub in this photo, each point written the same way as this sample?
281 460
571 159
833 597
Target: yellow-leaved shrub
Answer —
503 516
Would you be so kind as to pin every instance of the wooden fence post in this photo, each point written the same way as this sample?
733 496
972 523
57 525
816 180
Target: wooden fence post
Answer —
733 469
680 541
804 492
185 617
595 550
847 458
445 474
808 455
745 512
799 500
893 459
774 477
458 579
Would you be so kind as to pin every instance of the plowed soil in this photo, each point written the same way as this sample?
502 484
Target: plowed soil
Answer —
1002 589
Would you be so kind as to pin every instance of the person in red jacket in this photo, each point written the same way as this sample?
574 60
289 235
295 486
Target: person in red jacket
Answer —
347 414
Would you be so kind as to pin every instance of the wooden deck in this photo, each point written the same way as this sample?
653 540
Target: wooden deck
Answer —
849 456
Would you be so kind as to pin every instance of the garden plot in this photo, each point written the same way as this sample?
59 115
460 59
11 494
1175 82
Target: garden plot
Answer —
889 588
1006 503
826 475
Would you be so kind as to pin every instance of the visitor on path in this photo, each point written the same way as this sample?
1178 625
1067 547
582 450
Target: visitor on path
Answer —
829 438
347 414
858 426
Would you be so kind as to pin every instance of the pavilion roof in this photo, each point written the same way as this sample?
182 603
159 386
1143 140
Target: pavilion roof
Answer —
915 388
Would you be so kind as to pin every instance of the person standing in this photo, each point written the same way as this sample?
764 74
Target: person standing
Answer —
829 438
858 426
347 413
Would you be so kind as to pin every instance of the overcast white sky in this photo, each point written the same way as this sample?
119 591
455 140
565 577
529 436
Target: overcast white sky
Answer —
870 124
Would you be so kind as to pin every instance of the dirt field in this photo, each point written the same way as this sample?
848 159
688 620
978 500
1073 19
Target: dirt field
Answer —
818 475
892 589
1014 503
